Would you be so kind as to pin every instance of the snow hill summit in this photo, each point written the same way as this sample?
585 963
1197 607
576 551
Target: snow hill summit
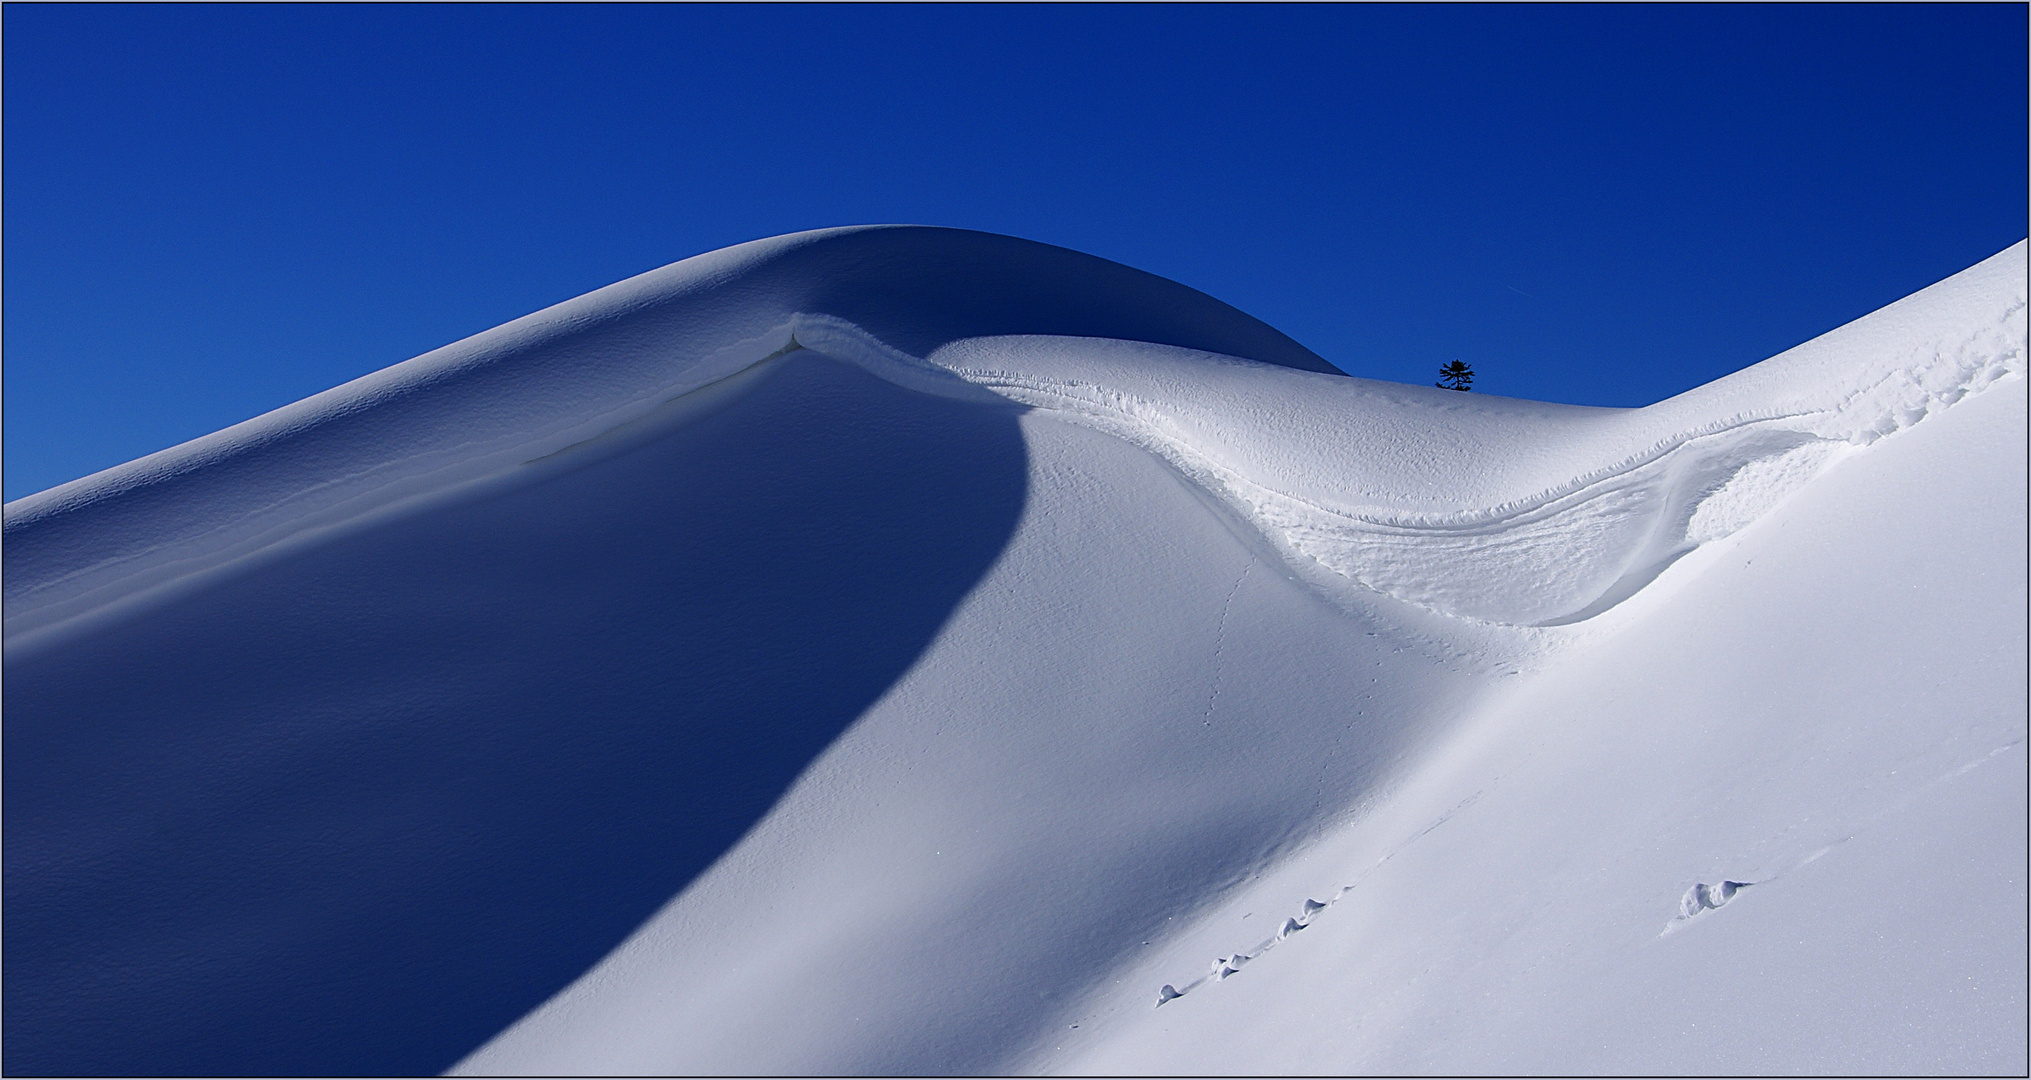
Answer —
909 650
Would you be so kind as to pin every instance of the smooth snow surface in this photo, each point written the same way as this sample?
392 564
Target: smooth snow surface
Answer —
910 650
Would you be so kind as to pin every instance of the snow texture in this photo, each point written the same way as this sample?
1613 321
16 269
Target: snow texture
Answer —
899 650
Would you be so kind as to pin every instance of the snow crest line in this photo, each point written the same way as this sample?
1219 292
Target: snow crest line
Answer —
292 493
1560 556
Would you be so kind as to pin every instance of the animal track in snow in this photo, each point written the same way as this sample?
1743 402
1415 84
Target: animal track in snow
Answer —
1229 966
1702 897
1705 897
1220 643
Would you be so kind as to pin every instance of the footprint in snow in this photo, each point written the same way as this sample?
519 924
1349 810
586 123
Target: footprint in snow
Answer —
1231 965
1702 897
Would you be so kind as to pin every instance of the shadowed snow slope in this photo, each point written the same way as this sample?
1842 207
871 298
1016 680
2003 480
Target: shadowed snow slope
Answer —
912 650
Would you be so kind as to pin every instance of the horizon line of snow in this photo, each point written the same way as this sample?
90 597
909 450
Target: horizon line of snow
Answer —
1705 467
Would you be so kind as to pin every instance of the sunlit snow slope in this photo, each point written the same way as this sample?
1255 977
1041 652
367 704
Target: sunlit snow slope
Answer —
913 650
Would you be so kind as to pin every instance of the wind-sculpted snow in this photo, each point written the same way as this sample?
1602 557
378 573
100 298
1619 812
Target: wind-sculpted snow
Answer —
1503 511
929 629
1518 512
1774 825
621 356
356 808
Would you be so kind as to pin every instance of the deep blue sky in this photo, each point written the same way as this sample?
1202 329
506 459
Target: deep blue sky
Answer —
213 211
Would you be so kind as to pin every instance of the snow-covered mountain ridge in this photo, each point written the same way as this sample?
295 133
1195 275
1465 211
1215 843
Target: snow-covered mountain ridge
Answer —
1362 479
1374 481
905 650
484 407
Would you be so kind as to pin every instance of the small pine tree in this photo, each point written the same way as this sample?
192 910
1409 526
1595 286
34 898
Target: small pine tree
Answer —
1455 376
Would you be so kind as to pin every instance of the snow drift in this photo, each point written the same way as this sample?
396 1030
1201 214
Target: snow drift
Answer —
913 650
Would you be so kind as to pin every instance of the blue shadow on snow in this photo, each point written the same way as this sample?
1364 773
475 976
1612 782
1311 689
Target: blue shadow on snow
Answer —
357 810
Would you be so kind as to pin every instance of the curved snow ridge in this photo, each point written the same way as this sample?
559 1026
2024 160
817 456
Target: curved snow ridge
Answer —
1489 509
1599 519
1541 559
614 360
